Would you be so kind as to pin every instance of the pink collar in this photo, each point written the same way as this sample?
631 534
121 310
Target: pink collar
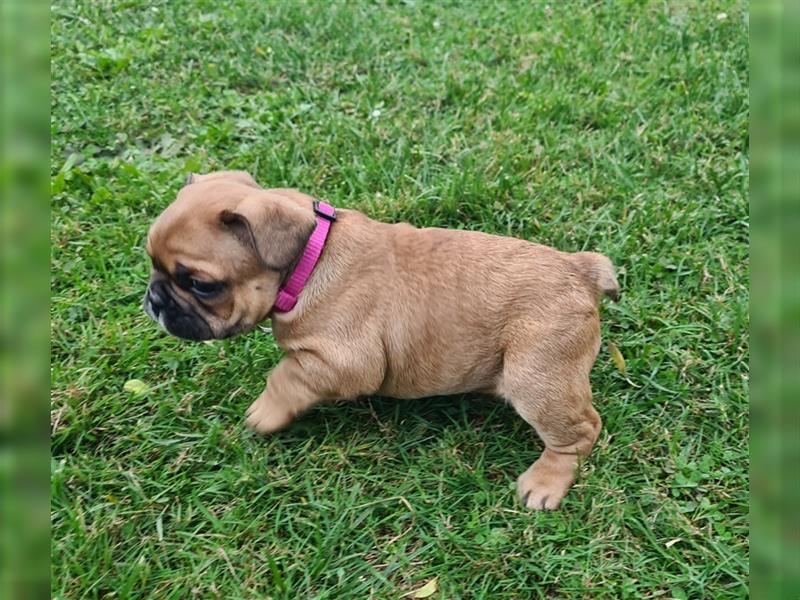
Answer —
289 292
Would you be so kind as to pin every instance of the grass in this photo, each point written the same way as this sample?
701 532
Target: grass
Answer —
620 127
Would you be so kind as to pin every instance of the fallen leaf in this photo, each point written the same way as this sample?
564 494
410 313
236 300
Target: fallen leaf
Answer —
616 355
425 591
135 386
72 160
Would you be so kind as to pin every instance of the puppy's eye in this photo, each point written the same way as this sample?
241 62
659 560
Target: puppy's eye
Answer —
204 289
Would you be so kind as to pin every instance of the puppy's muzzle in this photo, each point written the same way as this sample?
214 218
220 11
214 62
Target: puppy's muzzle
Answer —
182 322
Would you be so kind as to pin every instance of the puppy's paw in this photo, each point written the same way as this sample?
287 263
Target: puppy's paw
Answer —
267 417
543 486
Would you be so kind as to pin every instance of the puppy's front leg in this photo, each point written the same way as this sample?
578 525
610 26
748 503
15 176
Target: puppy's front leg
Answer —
290 390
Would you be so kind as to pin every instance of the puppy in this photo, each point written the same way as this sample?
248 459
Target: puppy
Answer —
389 310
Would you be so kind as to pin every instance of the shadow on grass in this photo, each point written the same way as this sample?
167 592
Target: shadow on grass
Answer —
476 425
437 413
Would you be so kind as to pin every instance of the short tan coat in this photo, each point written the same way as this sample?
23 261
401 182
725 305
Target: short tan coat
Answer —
398 311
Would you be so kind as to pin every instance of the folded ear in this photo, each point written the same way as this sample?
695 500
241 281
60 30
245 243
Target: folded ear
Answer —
274 228
237 176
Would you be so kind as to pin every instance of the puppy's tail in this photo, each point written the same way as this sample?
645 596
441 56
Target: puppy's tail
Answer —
601 271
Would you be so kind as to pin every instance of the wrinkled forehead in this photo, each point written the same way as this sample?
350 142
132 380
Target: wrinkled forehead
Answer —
197 206
189 231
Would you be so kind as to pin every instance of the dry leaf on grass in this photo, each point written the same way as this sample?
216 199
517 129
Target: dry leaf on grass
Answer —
135 386
425 591
616 355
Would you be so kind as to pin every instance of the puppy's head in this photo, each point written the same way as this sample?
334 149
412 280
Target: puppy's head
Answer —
220 252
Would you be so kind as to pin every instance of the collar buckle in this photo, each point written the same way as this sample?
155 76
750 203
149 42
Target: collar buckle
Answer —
325 210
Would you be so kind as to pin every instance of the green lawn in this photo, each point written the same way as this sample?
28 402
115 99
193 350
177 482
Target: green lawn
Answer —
620 127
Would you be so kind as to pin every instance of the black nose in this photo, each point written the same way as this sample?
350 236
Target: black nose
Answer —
177 318
154 300
156 293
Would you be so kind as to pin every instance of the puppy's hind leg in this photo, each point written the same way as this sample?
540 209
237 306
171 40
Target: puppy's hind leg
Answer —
569 428
558 405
